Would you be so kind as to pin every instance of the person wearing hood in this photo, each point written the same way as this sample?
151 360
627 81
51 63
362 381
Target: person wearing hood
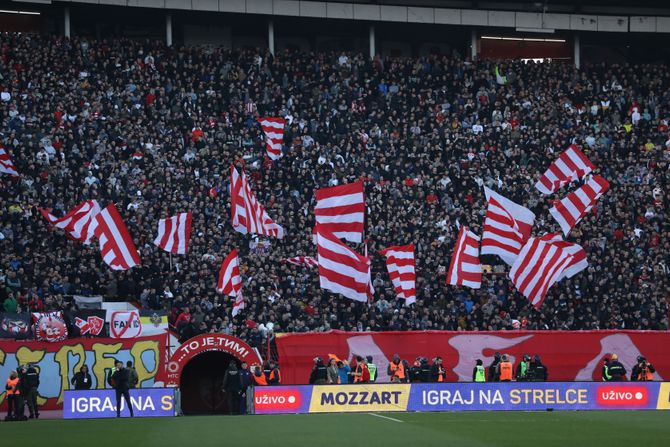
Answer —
494 368
319 374
538 372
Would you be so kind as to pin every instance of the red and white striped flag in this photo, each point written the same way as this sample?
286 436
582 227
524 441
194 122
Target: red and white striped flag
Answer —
506 228
539 265
174 233
6 164
570 166
309 261
230 282
465 268
573 207
116 245
371 288
401 266
273 128
249 217
341 269
579 261
79 223
340 210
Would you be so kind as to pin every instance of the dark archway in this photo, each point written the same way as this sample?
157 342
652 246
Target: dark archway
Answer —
201 383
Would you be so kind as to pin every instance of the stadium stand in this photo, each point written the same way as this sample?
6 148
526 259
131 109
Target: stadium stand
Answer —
155 129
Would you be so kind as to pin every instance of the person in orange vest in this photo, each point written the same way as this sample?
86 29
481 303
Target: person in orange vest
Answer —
259 376
362 374
397 369
506 369
13 392
274 378
437 371
643 371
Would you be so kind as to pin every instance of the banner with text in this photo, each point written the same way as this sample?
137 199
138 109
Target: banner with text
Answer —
441 397
146 402
568 355
58 362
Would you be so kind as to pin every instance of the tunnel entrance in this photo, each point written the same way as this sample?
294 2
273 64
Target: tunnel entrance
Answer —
202 381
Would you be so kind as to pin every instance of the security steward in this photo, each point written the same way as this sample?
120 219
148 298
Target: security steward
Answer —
605 373
362 374
274 378
319 373
437 371
13 392
259 376
522 368
479 372
506 369
616 370
372 368
397 369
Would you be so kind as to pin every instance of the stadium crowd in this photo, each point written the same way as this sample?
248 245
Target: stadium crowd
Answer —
155 129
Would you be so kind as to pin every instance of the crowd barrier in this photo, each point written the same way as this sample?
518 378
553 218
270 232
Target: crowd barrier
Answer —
146 402
442 397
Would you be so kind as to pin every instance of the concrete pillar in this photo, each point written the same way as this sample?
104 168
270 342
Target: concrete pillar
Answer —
67 21
373 42
578 51
271 37
168 29
473 44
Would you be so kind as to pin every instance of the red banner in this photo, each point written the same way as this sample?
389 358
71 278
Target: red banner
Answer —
58 362
568 355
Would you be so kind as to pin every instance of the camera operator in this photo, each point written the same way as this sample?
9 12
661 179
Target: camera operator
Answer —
643 371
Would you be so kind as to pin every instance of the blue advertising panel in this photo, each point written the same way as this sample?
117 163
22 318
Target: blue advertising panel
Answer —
524 396
146 402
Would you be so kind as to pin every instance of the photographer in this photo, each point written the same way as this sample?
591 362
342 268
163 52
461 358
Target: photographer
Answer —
643 371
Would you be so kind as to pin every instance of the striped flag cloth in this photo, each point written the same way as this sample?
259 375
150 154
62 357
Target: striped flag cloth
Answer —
230 282
309 261
573 207
340 210
465 268
539 265
401 265
341 269
174 233
79 223
273 128
507 227
570 166
6 164
579 261
249 217
371 288
116 245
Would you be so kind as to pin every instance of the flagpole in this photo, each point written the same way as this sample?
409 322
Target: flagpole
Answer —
170 260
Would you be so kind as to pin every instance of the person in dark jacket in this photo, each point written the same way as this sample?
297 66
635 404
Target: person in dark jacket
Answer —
424 374
245 394
415 371
319 373
119 380
82 379
616 370
537 371
437 371
133 378
232 386
494 368
32 382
